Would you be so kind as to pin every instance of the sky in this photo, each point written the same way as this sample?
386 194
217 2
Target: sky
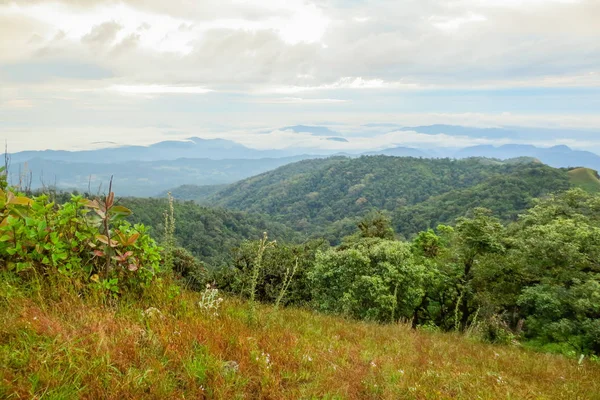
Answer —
78 74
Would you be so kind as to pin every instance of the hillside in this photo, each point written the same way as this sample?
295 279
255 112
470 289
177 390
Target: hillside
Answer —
197 193
208 233
586 179
506 195
71 348
324 197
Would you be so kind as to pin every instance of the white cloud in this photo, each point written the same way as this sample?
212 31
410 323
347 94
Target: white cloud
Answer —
288 139
158 89
451 24
299 100
356 83
323 59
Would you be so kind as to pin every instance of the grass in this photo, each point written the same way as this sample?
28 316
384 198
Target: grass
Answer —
61 347
585 178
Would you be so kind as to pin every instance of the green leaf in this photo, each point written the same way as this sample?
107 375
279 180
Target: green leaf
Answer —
120 211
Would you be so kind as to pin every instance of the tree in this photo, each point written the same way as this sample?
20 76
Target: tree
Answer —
376 224
375 279
475 237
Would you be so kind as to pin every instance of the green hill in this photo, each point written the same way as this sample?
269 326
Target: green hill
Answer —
208 233
585 178
197 193
506 195
325 197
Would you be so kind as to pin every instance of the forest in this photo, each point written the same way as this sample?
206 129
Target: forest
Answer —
507 249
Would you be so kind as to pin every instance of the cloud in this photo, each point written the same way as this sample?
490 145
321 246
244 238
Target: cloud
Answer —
336 60
17 103
158 89
103 34
288 139
42 70
298 100
273 43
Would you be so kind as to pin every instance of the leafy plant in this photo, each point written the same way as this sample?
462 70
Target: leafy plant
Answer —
86 241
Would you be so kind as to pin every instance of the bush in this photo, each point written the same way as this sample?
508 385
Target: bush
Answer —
189 268
85 241
495 330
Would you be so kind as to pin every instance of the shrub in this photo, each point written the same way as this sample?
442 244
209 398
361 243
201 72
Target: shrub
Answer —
188 268
87 242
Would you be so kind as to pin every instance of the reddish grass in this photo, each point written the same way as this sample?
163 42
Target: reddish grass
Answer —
71 348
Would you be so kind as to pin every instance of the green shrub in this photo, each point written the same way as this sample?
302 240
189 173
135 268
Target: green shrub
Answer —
87 242
189 268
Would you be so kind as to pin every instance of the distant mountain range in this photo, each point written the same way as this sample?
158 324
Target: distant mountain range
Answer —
142 178
215 149
557 156
149 170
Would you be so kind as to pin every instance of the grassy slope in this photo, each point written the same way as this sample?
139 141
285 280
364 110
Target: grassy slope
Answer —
69 348
586 179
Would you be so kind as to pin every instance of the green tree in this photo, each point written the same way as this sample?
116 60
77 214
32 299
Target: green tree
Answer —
474 238
375 279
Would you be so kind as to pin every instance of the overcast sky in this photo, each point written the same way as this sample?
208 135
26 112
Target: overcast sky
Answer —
84 73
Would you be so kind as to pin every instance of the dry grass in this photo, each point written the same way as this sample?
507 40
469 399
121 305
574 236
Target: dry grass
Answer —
70 348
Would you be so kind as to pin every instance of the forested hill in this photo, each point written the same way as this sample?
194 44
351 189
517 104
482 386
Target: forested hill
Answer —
325 197
208 233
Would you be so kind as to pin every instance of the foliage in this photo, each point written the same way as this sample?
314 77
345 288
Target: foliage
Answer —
274 273
506 195
504 273
569 315
189 269
479 277
376 225
210 234
263 245
85 241
375 279
210 300
328 197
